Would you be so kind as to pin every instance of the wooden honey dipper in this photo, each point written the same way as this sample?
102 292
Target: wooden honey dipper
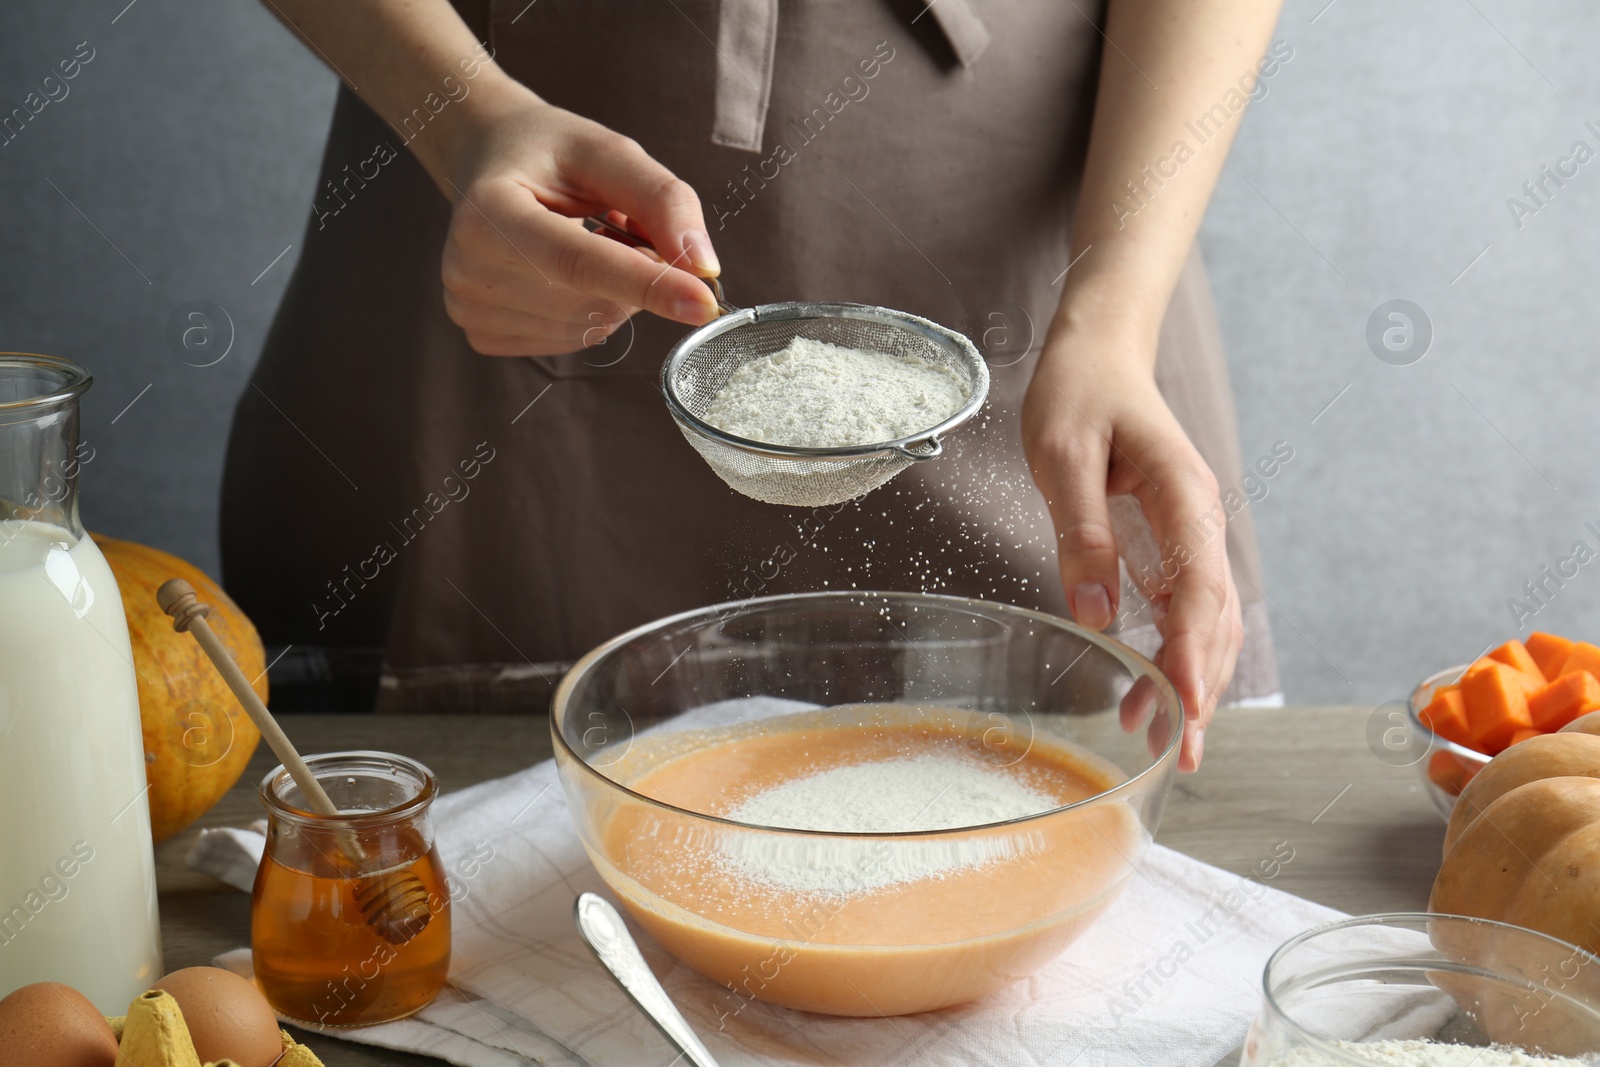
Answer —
394 903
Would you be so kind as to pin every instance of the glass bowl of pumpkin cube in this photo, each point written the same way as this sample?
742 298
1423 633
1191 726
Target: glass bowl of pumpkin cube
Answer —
1466 715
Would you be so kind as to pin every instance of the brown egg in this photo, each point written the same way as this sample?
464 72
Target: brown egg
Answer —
48 1024
227 1016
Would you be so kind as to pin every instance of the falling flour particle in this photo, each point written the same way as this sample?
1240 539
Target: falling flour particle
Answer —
888 796
1423 1053
813 394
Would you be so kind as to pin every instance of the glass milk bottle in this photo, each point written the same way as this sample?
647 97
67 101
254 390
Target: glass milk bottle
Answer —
77 876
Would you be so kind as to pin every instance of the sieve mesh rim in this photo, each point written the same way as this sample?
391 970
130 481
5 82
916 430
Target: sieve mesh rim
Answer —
949 339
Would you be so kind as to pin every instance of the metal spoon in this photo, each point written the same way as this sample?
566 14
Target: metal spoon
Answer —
603 929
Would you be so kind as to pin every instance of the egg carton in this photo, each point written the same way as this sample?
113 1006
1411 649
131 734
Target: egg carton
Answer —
153 1034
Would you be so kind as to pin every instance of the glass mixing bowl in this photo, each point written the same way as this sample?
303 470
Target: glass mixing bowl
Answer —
661 733
1332 992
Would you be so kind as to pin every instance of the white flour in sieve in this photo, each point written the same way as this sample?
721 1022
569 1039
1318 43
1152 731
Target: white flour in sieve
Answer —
813 394
1424 1053
888 796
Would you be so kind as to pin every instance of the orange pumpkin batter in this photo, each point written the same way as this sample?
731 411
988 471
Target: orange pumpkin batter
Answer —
992 905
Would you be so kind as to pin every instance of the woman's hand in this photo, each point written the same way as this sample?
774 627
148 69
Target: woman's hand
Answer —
521 275
1094 426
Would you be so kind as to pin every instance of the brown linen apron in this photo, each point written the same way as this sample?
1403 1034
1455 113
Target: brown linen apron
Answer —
484 520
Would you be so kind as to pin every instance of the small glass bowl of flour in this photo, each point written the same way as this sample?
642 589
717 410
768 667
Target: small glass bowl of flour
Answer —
1425 990
816 404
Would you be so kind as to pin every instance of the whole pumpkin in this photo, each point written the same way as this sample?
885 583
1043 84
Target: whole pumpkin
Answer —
1584 724
197 739
1523 845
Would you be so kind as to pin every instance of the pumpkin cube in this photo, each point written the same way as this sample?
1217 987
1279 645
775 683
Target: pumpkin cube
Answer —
1446 715
1563 700
1514 654
1583 657
1496 699
1522 735
1448 773
1549 651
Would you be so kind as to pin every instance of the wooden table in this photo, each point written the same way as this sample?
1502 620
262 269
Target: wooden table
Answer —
1364 837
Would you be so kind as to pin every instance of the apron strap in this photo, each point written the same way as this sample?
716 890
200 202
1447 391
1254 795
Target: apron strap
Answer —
747 38
962 27
747 41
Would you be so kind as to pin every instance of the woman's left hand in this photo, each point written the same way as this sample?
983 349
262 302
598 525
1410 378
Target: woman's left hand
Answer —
1094 425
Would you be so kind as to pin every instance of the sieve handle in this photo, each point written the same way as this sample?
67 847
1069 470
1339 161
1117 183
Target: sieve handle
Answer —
930 448
596 224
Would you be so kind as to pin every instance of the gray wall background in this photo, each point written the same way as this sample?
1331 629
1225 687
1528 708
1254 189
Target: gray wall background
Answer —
180 168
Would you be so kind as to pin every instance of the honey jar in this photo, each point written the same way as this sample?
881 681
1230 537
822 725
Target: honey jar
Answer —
350 916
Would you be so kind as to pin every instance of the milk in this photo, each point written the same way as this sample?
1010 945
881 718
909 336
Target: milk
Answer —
77 879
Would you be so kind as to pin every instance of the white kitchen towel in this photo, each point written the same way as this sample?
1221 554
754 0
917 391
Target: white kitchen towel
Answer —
1170 975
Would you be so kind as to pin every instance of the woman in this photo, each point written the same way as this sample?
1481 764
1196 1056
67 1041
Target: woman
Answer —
482 520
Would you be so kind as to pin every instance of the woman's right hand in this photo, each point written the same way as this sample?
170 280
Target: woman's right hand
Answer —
521 275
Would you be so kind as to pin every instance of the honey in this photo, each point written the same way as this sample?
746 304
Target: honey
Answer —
321 958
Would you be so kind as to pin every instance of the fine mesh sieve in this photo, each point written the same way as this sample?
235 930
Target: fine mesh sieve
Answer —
701 364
